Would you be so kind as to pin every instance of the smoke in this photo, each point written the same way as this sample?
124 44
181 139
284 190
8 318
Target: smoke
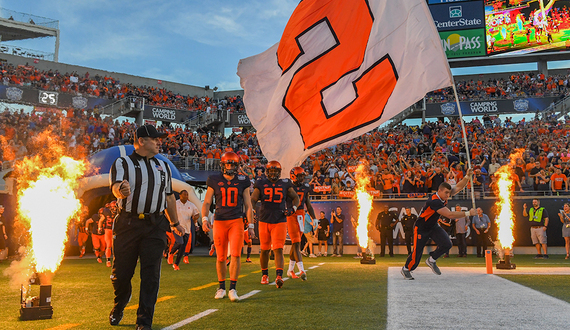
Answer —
20 271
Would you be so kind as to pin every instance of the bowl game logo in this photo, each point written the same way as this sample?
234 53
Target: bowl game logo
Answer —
79 102
521 105
448 109
14 93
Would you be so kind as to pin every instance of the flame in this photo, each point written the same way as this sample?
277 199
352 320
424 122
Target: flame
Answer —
47 201
505 219
364 200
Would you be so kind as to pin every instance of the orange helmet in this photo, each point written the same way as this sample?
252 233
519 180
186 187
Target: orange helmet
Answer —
273 170
229 158
297 175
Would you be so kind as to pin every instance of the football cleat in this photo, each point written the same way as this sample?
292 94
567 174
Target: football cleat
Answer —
248 260
265 279
186 260
170 259
99 260
292 274
433 267
303 276
115 317
108 263
175 266
279 282
220 293
233 295
407 274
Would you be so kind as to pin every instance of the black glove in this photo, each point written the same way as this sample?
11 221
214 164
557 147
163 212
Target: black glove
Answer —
289 212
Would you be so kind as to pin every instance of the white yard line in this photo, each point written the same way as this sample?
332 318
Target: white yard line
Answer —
247 295
190 319
466 297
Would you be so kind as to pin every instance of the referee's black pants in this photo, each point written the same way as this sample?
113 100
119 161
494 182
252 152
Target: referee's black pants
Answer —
421 237
133 239
386 235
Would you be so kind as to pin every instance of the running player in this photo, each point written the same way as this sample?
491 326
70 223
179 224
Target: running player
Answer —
108 225
232 194
97 233
426 227
272 215
82 231
302 189
247 238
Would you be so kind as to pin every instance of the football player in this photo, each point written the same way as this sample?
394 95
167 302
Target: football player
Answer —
302 189
232 194
95 227
272 215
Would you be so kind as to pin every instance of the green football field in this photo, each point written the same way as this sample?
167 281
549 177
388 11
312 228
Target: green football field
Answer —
340 293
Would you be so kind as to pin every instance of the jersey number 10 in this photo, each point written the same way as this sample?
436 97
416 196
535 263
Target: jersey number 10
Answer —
229 196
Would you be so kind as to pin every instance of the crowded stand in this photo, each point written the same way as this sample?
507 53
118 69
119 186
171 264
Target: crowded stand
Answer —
110 88
518 85
405 161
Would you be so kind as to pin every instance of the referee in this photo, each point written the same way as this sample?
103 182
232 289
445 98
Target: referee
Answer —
143 187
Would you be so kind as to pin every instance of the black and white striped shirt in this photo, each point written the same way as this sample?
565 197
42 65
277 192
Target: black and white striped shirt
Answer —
150 181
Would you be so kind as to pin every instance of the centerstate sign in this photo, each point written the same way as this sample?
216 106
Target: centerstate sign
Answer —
458 16
464 43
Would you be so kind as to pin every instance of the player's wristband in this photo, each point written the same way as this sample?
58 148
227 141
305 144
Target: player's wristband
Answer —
294 208
205 219
251 225
467 214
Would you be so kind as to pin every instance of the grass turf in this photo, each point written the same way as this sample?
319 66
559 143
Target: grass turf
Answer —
337 294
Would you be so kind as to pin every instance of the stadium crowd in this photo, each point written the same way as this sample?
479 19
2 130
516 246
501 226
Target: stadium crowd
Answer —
516 86
108 87
403 161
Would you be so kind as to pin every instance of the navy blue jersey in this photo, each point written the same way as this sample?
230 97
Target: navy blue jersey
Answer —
303 193
428 216
229 195
273 197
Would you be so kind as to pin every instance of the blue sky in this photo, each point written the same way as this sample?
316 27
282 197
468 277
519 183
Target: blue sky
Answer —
196 42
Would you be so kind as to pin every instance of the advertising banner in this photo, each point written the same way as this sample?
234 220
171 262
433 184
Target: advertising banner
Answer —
49 98
528 105
525 26
464 43
521 229
166 114
458 16
432 2
239 119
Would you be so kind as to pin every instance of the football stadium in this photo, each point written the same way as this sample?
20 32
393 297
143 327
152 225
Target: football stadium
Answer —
374 164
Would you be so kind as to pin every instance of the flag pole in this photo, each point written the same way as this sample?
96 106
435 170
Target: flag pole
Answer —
464 139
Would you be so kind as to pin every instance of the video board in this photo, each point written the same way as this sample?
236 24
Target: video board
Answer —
526 26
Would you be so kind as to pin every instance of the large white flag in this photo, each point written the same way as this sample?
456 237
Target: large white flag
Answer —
342 68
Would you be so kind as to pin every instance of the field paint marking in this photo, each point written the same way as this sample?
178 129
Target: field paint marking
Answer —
203 286
322 263
190 319
313 267
65 326
157 300
284 279
249 294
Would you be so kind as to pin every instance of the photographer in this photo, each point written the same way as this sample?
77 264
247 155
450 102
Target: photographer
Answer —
337 220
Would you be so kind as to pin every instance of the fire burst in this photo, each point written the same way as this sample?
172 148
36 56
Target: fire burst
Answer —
364 206
47 201
505 218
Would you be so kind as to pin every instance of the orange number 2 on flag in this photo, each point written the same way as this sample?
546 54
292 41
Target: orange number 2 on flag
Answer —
325 42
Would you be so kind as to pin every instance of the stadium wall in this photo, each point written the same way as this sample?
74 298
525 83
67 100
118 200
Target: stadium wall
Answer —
135 80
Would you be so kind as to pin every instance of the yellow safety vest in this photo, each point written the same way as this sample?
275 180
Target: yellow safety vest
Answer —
536 218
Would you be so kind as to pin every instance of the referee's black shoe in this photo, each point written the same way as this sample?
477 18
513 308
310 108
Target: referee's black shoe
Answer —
115 317
433 266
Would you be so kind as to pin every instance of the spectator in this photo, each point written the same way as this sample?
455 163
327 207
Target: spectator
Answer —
565 219
481 225
337 219
323 231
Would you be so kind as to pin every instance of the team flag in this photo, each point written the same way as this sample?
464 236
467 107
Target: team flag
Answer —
342 68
